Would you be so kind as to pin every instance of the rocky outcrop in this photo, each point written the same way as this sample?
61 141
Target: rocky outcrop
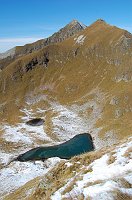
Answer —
9 53
64 33
43 61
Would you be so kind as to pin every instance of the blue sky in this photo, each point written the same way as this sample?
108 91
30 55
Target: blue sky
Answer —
25 21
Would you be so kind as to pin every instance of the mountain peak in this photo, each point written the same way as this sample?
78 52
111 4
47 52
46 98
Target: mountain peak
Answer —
100 21
67 31
75 22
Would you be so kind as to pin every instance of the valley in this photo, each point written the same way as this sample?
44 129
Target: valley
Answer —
78 81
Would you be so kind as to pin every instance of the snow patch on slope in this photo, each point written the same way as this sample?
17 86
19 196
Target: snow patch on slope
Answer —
72 120
24 133
80 39
103 179
22 137
18 173
67 123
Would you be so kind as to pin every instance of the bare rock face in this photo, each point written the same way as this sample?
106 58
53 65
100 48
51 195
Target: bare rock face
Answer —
67 31
64 33
9 53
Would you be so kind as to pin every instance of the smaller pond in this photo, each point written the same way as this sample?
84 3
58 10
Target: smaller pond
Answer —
79 144
35 122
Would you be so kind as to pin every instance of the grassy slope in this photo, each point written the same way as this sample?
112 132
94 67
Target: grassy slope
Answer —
67 177
98 70
99 62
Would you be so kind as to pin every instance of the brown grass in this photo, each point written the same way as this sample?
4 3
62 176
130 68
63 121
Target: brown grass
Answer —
112 158
128 152
59 176
73 78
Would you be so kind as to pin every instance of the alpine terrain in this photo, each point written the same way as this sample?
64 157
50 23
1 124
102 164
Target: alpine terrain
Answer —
79 80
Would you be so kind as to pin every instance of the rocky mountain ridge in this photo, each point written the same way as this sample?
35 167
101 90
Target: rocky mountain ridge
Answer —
79 85
69 30
9 53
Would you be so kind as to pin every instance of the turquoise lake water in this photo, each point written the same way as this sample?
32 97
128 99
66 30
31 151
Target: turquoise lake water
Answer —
77 145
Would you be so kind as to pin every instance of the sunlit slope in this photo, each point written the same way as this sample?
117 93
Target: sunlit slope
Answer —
103 174
66 32
69 30
89 72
